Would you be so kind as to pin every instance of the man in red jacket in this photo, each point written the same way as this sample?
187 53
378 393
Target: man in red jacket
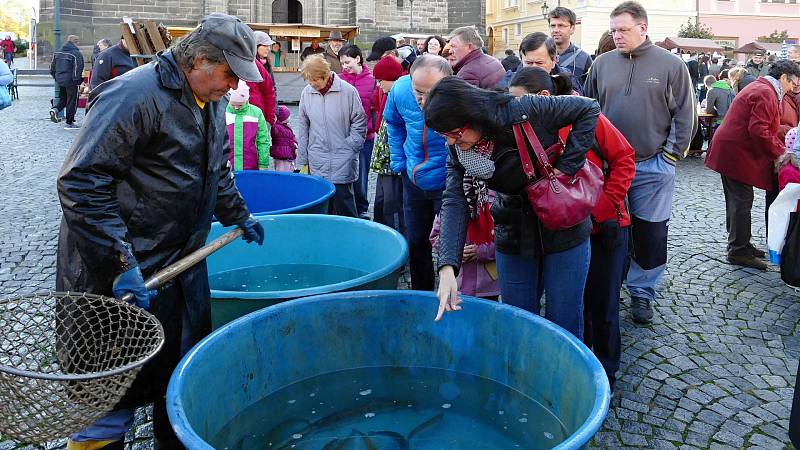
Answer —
743 151
474 66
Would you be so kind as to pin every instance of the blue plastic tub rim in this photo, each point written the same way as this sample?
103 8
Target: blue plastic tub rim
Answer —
581 436
398 261
324 198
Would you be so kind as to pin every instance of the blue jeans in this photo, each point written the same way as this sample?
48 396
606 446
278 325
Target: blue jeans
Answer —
601 302
650 198
562 276
362 184
419 209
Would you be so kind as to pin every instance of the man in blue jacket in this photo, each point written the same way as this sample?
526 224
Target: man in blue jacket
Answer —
67 69
419 154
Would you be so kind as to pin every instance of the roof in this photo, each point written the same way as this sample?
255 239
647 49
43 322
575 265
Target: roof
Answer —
691 44
750 47
304 31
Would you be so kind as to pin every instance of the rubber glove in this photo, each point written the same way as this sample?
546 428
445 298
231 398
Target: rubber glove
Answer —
132 281
304 170
253 231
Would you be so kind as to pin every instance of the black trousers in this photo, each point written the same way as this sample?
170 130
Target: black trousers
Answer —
794 417
389 202
738 206
68 98
601 302
419 210
344 201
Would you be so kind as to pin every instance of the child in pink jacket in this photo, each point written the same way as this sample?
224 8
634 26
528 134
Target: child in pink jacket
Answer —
478 274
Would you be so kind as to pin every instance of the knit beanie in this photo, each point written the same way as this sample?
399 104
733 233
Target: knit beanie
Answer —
283 113
791 138
387 69
240 95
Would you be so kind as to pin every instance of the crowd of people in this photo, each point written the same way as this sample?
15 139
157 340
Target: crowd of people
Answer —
450 132
446 155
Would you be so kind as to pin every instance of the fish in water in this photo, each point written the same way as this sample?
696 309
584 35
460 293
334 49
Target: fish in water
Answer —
353 438
286 440
387 440
286 429
428 423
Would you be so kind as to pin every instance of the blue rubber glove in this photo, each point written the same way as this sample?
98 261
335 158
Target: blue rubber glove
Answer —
253 231
132 281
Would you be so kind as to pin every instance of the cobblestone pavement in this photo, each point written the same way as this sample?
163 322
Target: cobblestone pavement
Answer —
715 369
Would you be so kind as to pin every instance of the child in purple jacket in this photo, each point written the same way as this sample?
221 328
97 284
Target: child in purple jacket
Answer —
284 144
478 273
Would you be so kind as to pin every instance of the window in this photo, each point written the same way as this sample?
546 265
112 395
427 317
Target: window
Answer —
399 3
518 29
505 36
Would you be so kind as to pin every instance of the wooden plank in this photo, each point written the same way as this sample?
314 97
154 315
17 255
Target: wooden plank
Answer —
141 36
130 40
155 35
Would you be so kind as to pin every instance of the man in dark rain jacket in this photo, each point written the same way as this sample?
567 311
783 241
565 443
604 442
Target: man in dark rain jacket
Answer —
110 63
67 71
138 189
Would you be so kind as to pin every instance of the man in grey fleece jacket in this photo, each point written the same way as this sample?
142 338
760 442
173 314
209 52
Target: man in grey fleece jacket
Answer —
646 92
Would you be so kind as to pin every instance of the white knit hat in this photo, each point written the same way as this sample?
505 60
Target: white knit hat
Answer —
240 95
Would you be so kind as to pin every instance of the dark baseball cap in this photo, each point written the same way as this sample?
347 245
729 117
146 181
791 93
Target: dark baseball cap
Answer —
236 41
381 46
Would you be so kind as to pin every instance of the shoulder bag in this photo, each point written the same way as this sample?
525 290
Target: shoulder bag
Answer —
559 201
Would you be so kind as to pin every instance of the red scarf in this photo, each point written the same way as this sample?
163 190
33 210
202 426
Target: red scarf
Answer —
480 228
328 85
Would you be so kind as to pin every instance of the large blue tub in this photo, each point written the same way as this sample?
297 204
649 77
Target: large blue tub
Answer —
272 348
268 192
373 255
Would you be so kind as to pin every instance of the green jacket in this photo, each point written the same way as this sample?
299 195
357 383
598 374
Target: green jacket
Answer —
248 132
380 153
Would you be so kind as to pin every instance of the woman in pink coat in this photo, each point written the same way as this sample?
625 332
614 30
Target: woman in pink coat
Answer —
356 73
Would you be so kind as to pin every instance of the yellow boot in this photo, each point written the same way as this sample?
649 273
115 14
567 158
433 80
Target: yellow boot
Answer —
94 445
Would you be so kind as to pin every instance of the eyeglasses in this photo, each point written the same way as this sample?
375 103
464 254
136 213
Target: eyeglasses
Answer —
456 134
622 30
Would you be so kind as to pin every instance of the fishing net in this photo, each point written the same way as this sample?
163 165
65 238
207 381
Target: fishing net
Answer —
66 359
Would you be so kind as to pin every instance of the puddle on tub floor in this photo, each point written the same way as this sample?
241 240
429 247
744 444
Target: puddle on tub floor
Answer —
392 408
281 277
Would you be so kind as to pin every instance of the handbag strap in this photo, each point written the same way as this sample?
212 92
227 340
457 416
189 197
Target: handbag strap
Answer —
522 147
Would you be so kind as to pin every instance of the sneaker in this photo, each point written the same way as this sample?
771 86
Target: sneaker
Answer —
755 251
54 116
641 310
746 260
72 126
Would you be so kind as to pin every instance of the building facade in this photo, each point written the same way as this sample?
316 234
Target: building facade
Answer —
508 21
96 19
734 22
738 22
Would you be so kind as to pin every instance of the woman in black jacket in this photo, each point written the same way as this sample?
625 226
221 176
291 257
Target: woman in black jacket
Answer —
530 258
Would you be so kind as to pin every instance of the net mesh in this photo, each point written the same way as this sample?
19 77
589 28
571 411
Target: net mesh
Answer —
66 359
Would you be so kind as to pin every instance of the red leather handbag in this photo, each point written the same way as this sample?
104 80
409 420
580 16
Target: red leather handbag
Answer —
560 201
